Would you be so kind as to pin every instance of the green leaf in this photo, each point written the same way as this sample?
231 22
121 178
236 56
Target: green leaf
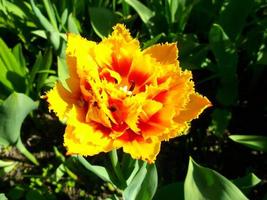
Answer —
220 121
100 15
3 196
34 194
63 73
233 16
45 65
6 167
256 142
226 57
12 74
13 111
51 33
100 171
12 114
144 184
50 13
144 12
204 183
72 24
171 191
17 52
247 182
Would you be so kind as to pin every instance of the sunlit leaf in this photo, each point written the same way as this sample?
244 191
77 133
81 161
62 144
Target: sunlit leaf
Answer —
143 11
204 183
143 185
247 182
256 142
13 111
100 171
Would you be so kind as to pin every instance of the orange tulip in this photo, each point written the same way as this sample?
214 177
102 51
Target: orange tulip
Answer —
120 96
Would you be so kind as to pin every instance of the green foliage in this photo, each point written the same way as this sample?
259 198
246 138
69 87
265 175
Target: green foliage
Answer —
204 183
256 142
13 111
222 42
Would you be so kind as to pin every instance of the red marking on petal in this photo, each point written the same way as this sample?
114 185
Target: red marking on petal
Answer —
129 136
119 113
106 75
99 127
138 77
119 127
161 97
85 89
121 65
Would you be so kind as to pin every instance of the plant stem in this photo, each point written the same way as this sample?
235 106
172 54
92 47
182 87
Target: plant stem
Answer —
116 167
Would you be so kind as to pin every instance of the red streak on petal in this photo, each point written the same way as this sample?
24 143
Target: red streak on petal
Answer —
138 77
119 113
99 127
106 75
121 65
129 136
85 89
161 97
119 127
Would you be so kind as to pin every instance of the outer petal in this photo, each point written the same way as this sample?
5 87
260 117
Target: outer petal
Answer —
163 53
140 148
60 100
83 138
194 108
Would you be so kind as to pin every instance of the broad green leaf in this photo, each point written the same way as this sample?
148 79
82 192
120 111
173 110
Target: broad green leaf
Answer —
171 191
144 184
247 182
100 171
204 183
226 57
233 16
13 111
100 15
256 142
143 11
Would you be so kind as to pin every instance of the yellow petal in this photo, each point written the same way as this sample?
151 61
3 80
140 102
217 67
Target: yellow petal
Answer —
193 109
147 150
60 100
150 107
83 138
134 105
163 53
